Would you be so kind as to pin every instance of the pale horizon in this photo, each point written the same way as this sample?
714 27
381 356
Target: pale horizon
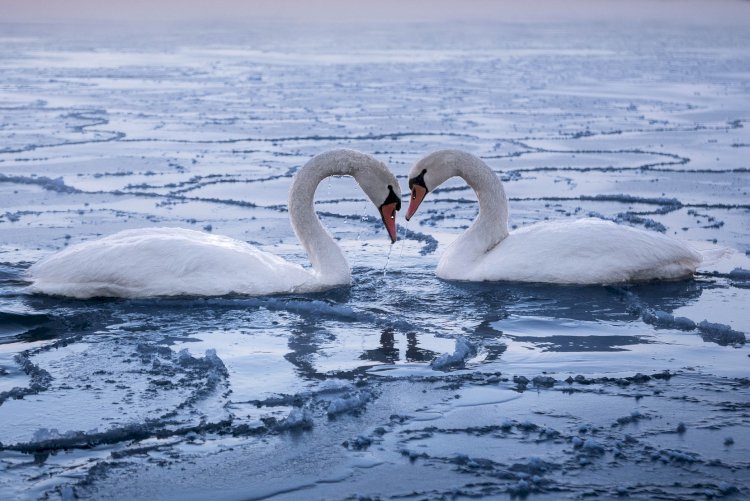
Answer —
231 11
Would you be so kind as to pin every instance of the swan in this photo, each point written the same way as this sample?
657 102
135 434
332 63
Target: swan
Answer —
586 251
175 261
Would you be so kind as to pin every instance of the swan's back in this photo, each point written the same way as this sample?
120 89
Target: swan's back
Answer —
586 251
164 262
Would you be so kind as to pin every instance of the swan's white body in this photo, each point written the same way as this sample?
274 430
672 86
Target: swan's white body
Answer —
175 261
166 262
586 251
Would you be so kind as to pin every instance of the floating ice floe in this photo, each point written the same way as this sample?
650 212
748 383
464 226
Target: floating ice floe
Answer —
298 419
739 274
710 331
349 403
720 333
464 350
660 318
57 184
333 385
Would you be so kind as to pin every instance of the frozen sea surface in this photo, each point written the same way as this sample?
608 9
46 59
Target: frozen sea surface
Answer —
403 386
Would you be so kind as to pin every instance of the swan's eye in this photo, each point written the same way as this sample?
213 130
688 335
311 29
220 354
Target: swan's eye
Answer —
413 194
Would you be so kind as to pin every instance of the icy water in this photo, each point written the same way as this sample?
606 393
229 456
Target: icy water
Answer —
402 386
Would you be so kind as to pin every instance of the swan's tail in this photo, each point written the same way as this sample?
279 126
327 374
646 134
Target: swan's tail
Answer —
720 259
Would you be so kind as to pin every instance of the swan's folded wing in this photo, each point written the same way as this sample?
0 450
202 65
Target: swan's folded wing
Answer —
587 251
165 262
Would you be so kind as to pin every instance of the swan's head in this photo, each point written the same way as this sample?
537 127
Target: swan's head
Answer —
429 173
382 188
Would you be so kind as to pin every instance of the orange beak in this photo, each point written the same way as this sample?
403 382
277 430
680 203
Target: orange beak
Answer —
417 195
388 213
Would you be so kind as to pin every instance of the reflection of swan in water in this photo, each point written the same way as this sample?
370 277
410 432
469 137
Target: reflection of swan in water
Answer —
587 251
565 318
389 353
175 261
592 303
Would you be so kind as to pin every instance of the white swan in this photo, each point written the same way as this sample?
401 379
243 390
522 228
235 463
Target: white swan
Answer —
175 261
586 251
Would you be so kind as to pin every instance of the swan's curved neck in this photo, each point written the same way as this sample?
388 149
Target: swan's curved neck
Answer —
328 261
491 226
